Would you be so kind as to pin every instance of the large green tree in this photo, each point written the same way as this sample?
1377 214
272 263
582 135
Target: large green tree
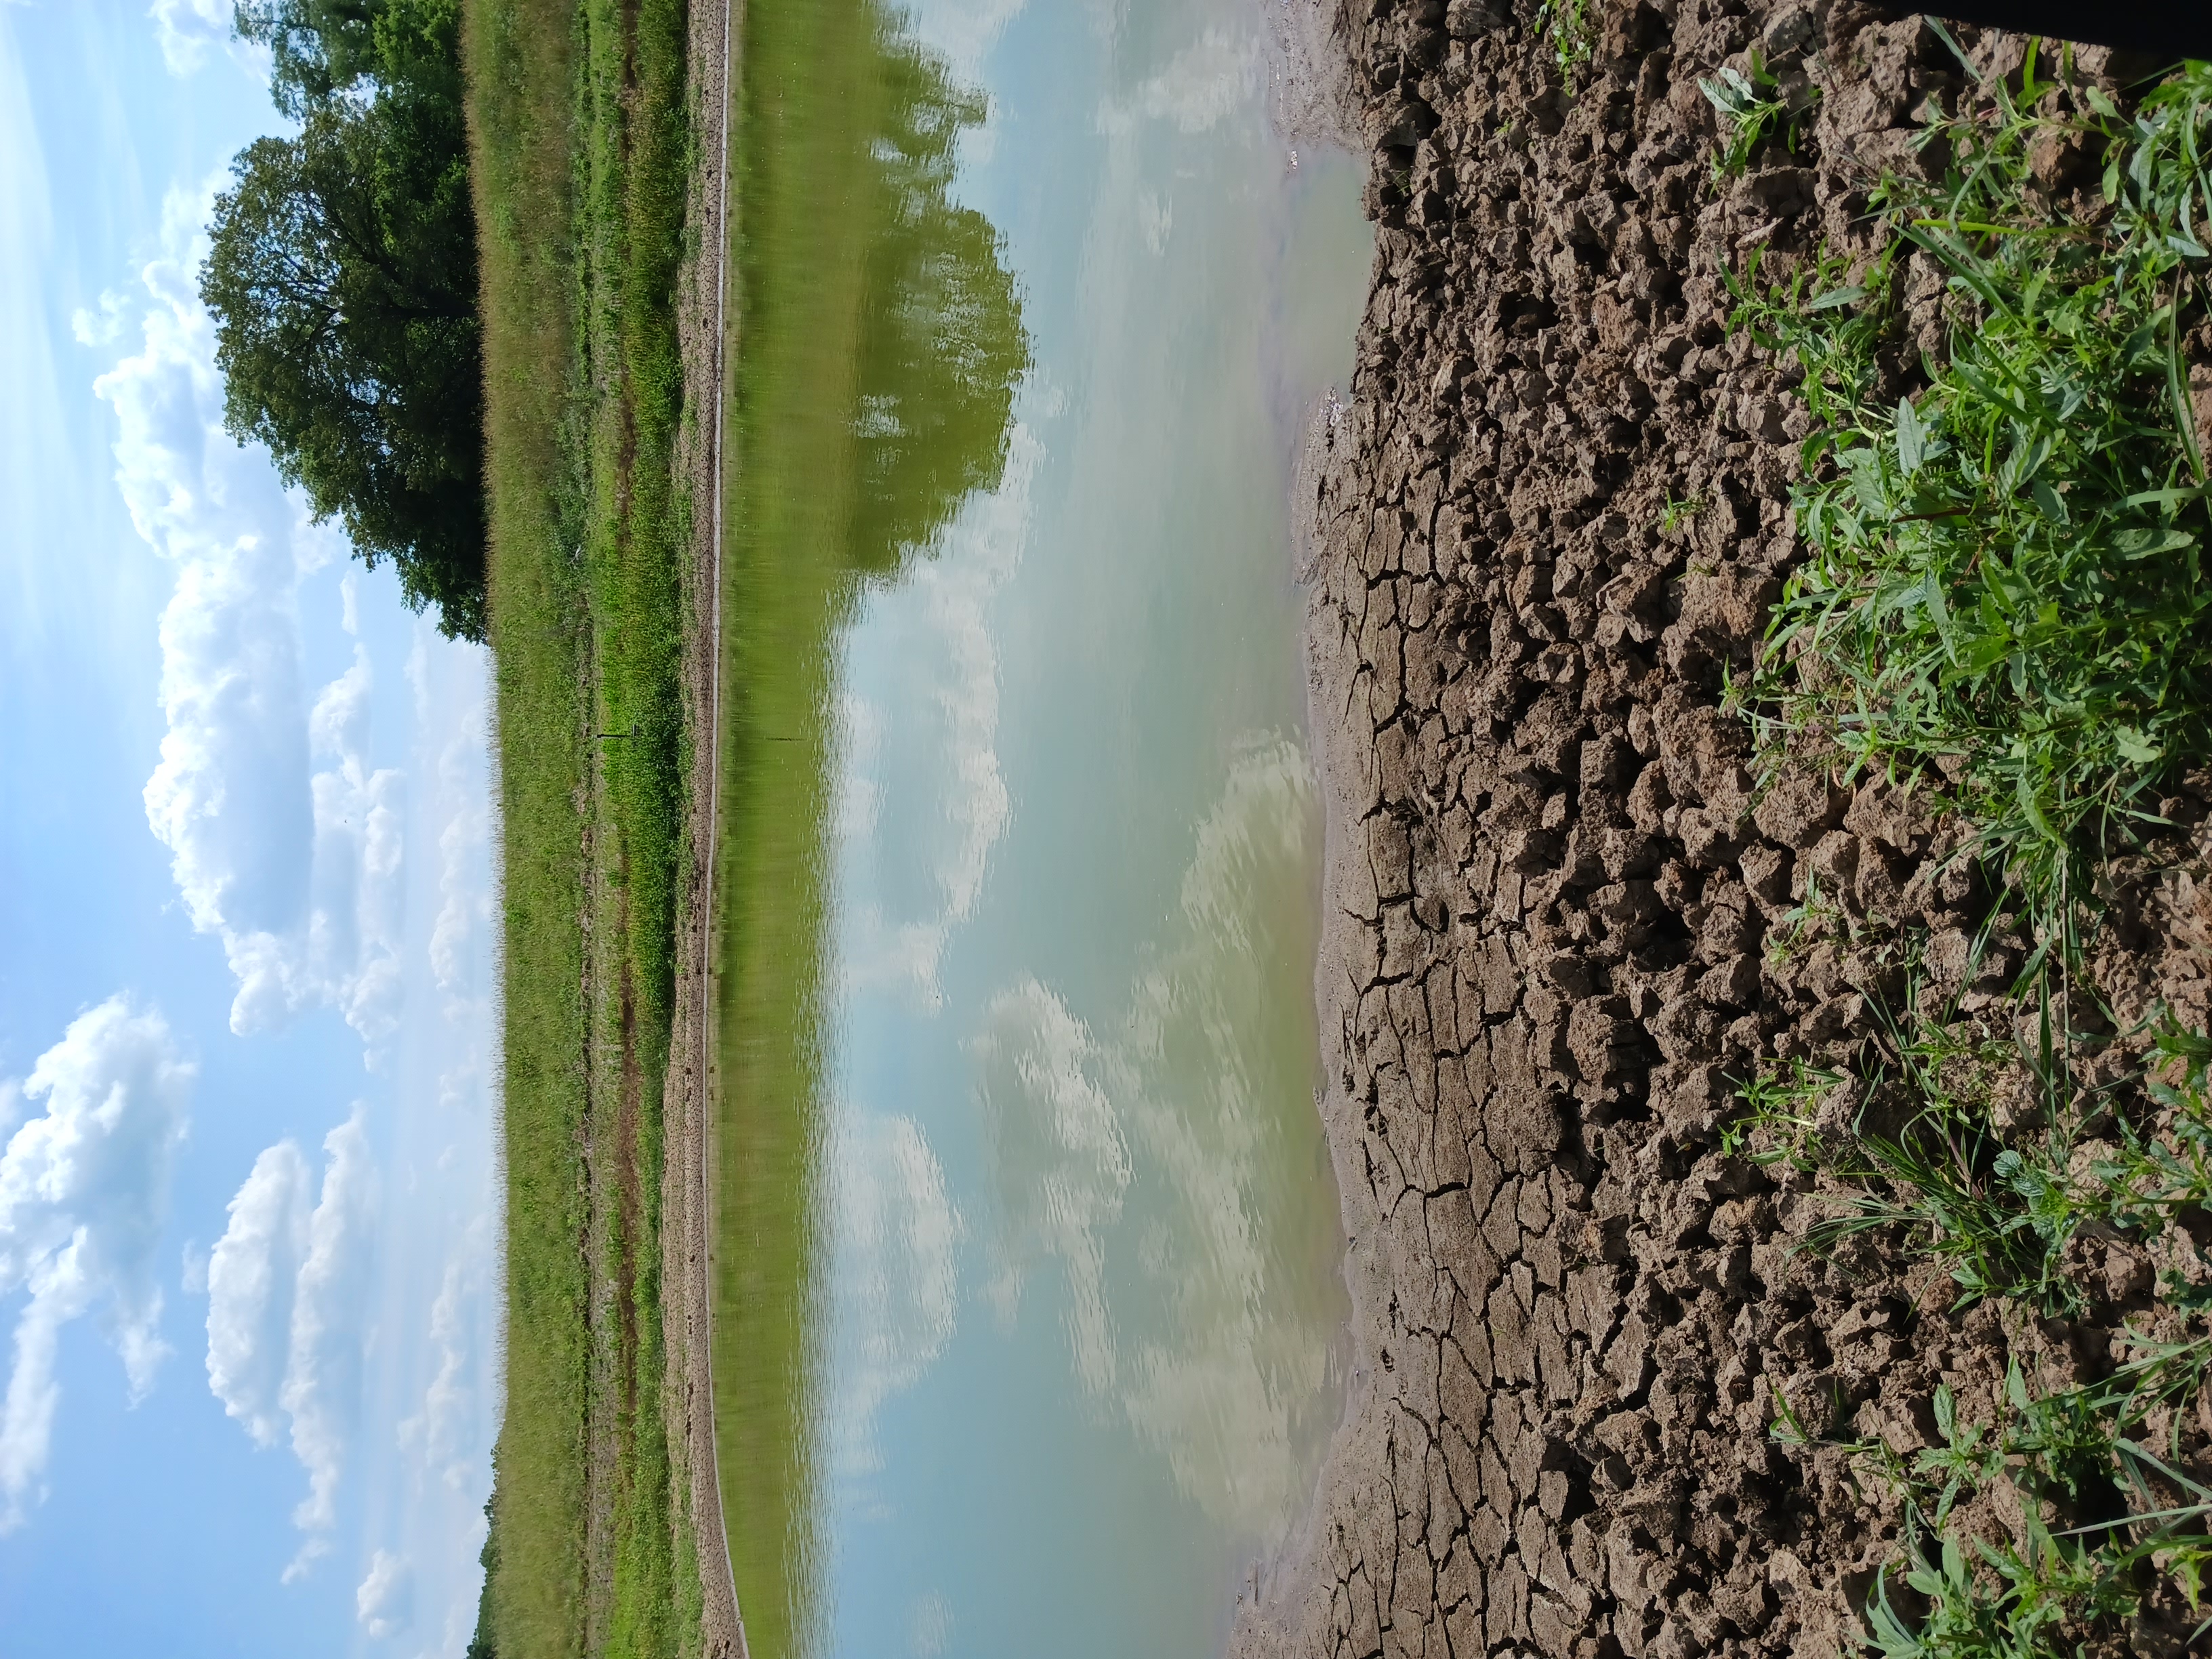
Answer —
343 279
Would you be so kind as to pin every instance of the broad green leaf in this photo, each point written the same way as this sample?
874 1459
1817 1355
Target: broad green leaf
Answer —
2030 450
1868 483
2032 810
1931 593
1983 651
1911 436
2144 542
2135 746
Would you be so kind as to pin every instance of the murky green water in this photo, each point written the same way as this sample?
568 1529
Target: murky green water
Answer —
1027 1296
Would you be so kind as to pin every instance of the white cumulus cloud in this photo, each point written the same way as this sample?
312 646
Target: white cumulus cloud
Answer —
283 840
437 1363
386 1599
251 1276
288 1305
447 1434
187 28
84 1190
451 684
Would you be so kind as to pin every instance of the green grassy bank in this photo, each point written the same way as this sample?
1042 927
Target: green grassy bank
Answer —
581 148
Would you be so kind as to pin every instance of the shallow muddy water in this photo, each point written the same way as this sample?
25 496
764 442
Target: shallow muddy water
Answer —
1028 1283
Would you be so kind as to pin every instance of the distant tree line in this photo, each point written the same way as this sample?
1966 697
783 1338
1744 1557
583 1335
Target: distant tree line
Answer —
342 281
484 1644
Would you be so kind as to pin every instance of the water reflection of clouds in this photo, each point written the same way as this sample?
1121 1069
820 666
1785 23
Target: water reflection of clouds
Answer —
946 703
1156 218
929 1625
1215 77
1073 919
1061 1159
965 31
1148 1163
899 1238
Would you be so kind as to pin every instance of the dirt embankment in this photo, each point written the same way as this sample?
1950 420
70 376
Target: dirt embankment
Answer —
1553 514
688 1163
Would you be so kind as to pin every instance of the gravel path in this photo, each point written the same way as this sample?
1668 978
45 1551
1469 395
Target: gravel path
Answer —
688 1175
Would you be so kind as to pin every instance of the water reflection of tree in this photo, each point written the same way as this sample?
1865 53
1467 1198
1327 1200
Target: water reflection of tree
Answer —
941 343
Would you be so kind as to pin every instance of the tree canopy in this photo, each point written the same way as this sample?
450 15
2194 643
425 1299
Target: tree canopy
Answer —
343 279
319 46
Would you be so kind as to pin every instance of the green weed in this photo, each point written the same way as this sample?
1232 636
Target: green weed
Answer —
519 162
2004 580
1779 1122
2000 1215
1788 1427
2049 1586
1813 914
1750 109
1998 1207
1572 32
2002 596
2000 1210
579 139
1675 514
1946 1175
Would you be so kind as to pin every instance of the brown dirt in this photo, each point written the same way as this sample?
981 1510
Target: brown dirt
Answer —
687 1208
1551 875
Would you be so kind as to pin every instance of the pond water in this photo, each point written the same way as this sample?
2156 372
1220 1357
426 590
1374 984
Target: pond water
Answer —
1028 1306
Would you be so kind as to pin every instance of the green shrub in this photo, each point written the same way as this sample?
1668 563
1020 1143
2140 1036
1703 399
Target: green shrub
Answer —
2004 580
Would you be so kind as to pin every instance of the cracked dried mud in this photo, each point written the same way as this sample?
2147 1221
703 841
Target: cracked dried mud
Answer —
1552 515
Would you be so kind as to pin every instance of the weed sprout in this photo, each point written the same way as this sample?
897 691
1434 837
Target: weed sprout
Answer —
1749 108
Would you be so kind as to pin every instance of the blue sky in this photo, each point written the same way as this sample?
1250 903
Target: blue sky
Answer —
247 1207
